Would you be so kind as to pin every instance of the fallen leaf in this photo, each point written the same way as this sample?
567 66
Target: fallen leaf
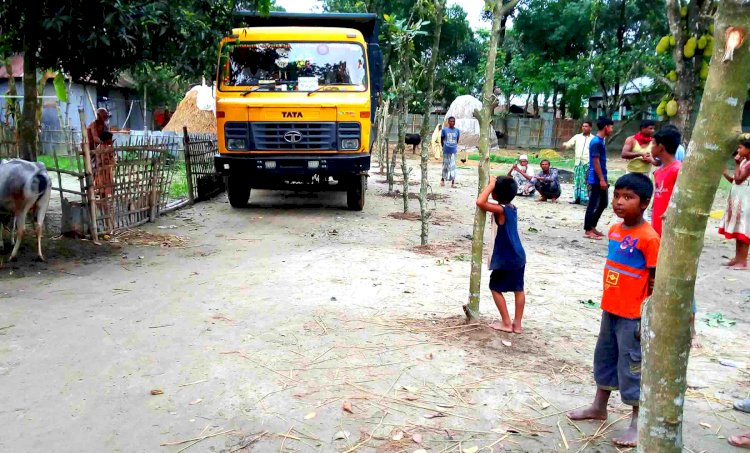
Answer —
471 449
311 415
347 407
545 406
428 356
434 415
417 438
705 425
507 343
411 389
157 392
196 401
341 435
398 436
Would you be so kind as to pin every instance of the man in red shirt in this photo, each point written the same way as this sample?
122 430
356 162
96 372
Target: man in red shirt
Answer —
664 150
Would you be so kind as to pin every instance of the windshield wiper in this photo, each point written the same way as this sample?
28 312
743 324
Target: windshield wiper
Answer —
320 88
256 88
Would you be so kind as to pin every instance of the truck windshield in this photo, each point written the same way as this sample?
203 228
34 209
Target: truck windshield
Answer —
293 66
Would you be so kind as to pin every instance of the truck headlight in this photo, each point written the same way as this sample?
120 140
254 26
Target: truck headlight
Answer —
236 143
350 144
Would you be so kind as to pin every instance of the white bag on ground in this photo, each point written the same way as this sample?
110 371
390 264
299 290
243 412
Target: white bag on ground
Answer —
205 100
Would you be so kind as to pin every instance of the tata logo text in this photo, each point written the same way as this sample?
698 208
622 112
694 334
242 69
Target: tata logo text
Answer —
291 114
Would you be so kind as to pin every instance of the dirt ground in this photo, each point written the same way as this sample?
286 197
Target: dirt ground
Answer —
295 325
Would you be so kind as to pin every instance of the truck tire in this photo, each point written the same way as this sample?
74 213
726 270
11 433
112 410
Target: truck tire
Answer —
355 194
238 190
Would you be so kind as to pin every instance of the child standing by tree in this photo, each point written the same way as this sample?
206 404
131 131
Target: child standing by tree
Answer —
628 281
736 222
664 153
508 260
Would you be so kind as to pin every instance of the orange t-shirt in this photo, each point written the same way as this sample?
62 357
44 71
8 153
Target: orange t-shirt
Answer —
632 251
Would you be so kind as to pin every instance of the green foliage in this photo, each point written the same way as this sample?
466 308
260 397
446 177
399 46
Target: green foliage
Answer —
718 320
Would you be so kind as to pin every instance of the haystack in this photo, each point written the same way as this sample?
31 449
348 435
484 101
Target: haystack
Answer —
462 109
188 114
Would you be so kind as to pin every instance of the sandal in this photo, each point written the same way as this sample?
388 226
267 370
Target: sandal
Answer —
743 406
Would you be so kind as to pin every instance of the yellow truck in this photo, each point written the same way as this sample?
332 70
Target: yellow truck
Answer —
295 104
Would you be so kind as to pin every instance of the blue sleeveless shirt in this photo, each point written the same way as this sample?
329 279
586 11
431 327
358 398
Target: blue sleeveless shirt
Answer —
508 253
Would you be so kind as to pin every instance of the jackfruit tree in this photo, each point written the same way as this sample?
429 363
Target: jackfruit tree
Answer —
500 9
691 44
666 317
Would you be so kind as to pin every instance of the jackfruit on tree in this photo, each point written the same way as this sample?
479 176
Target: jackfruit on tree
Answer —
711 29
671 108
709 50
661 109
672 75
683 11
689 49
672 41
663 45
702 42
704 71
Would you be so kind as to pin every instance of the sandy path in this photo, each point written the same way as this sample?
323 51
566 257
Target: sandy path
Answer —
271 318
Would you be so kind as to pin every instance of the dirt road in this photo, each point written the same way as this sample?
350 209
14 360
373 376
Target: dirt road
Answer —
296 325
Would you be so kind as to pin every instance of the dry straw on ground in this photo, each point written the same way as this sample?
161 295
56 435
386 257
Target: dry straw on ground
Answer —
188 114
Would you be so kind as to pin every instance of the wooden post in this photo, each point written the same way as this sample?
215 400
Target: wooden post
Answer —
154 195
188 164
89 178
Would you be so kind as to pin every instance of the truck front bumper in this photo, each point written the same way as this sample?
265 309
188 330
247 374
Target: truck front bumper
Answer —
271 171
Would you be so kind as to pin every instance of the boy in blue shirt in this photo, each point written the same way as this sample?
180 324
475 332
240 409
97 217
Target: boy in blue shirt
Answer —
597 179
449 137
508 256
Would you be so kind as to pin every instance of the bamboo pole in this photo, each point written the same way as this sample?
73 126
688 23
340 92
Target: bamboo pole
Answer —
188 163
89 178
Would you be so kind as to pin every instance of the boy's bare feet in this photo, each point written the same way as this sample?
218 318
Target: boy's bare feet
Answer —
695 342
517 328
629 439
591 235
442 183
590 413
740 441
739 267
731 262
502 327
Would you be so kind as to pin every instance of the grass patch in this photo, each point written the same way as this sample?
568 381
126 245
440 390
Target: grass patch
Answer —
63 162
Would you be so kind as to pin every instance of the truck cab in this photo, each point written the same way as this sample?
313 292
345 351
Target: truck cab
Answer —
295 104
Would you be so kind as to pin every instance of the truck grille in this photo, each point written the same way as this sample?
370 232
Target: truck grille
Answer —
293 136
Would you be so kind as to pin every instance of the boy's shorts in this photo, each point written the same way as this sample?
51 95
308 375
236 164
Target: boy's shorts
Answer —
617 358
507 280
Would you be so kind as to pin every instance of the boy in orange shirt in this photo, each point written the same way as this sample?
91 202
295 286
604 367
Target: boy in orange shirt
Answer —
628 281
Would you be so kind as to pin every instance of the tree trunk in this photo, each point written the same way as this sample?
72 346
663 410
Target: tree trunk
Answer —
394 155
666 326
28 129
425 130
485 116
401 149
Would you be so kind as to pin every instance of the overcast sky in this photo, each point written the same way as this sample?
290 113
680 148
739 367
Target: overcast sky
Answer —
473 9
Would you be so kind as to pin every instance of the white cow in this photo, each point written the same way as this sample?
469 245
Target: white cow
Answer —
25 187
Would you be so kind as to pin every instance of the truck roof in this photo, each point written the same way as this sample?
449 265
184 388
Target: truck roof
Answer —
292 34
365 23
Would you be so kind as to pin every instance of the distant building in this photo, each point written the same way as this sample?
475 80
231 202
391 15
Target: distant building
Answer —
120 99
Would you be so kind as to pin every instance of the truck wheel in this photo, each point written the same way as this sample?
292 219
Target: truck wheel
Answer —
355 194
238 190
